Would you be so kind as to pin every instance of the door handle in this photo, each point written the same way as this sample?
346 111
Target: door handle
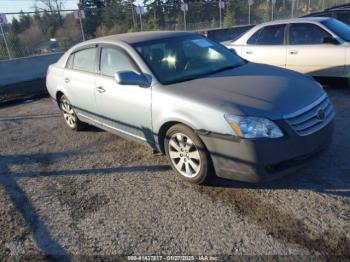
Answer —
100 89
249 52
293 52
66 80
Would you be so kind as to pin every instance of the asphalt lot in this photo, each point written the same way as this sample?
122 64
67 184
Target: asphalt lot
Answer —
93 193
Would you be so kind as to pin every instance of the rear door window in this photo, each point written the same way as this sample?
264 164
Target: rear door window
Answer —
306 34
70 62
269 35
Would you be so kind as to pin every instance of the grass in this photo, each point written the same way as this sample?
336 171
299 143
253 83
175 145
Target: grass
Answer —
24 90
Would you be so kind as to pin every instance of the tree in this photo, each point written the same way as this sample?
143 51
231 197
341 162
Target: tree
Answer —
15 26
229 18
118 14
24 21
156 14
94 10
16 48
69 33
49 23
52 6
32 37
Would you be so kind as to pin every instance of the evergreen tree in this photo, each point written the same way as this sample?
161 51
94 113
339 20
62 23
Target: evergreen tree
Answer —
24 21
94 10
229 18
15 26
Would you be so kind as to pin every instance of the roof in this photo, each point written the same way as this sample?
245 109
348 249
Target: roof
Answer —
296 20
342 7
338 7
132 38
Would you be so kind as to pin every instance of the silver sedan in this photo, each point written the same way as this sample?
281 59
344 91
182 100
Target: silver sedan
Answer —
193 99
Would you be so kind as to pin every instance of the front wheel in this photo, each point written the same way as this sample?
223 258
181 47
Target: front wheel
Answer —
69 115
187 154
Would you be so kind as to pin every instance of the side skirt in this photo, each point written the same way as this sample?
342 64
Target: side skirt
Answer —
118 132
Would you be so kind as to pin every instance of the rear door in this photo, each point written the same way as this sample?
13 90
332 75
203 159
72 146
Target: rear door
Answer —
267 46
80 77
306 52
125 109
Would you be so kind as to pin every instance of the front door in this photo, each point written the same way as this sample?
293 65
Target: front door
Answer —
125 109
306 52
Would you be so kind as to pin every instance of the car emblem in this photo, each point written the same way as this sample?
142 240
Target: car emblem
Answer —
321 114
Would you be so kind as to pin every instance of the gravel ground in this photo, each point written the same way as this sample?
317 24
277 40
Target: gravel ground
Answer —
93 193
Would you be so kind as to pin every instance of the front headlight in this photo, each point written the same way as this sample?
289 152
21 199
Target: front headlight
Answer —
253 127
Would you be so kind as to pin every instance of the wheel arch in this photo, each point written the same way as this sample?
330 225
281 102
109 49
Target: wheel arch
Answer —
164 129
171 119
59 94
162 132
162 135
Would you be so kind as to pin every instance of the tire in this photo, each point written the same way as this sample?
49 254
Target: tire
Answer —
187 154
69 115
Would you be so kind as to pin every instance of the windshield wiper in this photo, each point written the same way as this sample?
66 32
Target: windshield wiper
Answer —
204 74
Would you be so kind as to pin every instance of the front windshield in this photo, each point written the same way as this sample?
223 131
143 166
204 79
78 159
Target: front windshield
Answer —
339 28
187 57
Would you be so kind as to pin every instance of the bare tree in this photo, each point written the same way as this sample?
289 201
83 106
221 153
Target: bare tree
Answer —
50 5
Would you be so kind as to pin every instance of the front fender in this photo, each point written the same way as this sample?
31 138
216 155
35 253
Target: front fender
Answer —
192 115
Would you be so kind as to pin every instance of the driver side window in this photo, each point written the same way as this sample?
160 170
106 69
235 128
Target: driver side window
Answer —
114 60
306 34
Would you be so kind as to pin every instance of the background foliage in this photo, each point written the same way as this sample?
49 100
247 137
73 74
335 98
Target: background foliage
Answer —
29 34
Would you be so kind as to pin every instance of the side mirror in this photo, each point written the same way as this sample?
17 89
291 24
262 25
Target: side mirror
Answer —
330 40
131 78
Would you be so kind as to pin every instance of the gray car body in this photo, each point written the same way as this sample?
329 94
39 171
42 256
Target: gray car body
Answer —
144 114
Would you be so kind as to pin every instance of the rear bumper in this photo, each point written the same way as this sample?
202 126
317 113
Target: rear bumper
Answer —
256 160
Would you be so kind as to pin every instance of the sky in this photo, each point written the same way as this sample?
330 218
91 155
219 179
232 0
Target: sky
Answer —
15 6
12 6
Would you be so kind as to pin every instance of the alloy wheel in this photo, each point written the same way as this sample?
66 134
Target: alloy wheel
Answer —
184 155
68 113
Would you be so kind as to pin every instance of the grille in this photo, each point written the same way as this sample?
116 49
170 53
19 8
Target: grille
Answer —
311 118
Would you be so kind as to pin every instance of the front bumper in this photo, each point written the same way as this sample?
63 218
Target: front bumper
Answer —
256 160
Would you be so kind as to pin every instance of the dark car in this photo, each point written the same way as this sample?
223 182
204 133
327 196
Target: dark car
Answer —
340 12
232 33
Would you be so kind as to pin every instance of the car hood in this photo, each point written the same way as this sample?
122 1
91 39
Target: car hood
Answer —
251 89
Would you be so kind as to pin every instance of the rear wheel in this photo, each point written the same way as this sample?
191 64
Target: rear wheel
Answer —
187 154
69 115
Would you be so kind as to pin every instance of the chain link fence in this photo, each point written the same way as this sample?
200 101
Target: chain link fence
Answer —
36 33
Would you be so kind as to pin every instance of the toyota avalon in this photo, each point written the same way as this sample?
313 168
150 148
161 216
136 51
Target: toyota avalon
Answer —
318 46
194 100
